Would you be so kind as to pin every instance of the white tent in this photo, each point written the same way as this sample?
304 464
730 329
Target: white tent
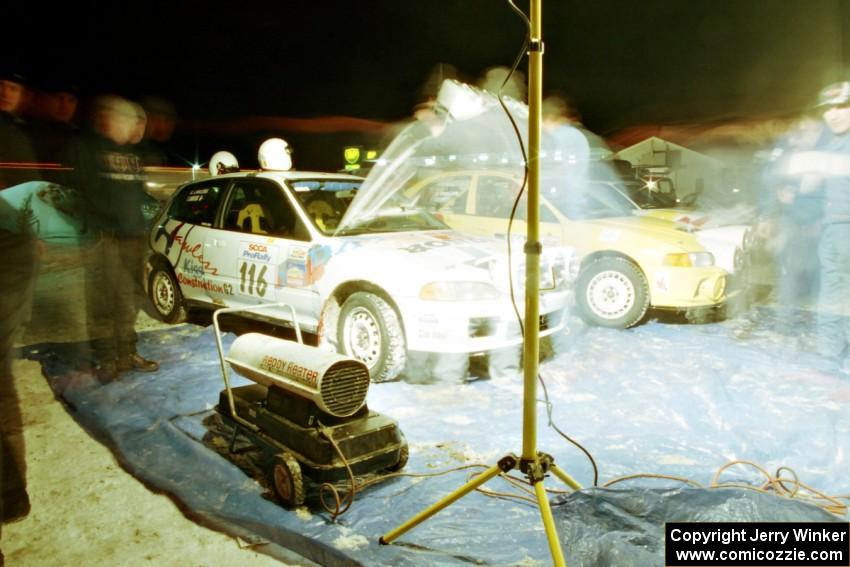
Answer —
689 171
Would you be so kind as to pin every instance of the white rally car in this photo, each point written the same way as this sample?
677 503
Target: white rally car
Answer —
375 291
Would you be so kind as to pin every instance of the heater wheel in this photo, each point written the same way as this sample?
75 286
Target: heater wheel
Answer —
403 455
287 480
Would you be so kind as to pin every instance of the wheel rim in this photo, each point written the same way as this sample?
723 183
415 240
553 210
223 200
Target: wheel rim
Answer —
610 294
163 293
283 482
362 336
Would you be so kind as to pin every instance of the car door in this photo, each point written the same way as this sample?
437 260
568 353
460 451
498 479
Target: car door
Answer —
260 233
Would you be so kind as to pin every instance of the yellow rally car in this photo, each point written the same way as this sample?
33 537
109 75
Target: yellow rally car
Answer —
628 263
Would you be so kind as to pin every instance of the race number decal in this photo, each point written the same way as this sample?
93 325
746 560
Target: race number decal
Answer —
252 279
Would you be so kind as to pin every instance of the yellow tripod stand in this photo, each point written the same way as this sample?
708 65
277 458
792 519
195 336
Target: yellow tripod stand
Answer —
532 463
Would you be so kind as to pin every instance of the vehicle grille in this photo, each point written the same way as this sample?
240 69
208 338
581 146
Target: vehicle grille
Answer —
550 320
483 326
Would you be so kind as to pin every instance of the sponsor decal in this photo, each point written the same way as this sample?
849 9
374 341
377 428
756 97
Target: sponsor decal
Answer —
289 369
441 241
297 253
120 166
192 268
255 252
200 283
196 251
316 262
169 236
296 276
688 221
304 266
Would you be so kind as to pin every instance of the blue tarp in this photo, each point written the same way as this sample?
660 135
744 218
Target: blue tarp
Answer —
660 398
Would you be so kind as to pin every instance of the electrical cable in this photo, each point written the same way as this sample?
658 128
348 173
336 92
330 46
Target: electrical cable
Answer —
328 487
651 475
774 484
777 484
520 193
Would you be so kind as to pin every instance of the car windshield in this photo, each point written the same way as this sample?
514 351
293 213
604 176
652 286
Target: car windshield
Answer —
593 201
325 200
398 220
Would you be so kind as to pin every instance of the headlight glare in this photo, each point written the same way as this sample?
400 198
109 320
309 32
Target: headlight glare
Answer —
458 291
689 260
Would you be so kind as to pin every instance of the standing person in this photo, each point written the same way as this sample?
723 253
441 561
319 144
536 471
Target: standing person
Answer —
794 211
565 155
108 175
828 167
53 127
161 119
19 250
15 144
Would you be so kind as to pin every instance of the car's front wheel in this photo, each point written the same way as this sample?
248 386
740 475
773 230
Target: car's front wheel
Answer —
612 292
164 292
370 331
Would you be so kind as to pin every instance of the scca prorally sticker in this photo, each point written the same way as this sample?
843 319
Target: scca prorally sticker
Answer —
257 252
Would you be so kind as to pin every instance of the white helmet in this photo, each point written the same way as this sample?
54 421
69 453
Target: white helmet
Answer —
223 162
275 155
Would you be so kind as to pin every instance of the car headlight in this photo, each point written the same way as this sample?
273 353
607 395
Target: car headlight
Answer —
458 291
689 260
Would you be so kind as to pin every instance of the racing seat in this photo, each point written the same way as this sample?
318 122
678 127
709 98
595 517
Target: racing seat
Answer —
256 216
323 213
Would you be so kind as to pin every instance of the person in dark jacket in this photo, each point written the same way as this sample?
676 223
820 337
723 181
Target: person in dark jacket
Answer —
109 177
15 144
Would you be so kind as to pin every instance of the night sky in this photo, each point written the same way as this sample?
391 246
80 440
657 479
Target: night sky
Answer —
623 62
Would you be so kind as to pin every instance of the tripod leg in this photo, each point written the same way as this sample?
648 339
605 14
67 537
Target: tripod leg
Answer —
567 479
549 525
447 500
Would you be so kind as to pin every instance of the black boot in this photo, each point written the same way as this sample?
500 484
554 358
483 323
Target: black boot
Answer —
134 361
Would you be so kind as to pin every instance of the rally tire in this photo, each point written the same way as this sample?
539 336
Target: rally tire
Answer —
612 292
165 295
287 480
369 330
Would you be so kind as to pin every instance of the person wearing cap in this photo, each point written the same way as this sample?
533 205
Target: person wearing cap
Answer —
19 250
52 124
792 218
161 119
827 168
15 144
